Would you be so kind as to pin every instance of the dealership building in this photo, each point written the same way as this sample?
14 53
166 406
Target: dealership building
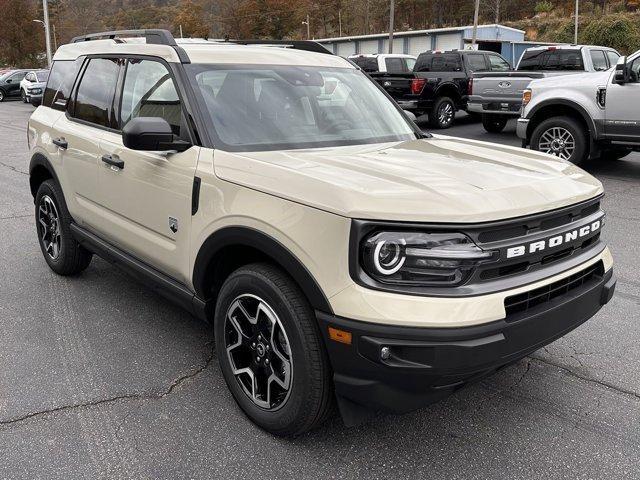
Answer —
505 40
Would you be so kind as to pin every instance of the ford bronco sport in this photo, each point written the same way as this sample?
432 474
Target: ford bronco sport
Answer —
342 255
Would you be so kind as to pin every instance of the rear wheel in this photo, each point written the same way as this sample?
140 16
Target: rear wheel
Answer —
563 137
443 113
2 95
270 351
61 251
494 123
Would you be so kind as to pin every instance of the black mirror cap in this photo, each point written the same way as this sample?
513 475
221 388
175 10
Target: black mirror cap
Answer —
621 75
151 134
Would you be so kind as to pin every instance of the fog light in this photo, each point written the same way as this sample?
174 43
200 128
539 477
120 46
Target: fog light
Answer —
385 353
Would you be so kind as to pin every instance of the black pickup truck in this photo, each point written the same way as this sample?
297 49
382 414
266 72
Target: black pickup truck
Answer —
439 84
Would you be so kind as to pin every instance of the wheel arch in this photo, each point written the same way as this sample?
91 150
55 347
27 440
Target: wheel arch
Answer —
450 90
561 107
40 169
232 247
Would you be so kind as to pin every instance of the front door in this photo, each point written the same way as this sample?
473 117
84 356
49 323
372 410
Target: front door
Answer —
622 117
147 204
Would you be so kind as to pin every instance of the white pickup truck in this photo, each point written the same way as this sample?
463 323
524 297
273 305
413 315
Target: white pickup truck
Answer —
498 95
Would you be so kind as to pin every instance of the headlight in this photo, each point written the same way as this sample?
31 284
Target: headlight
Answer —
526 96
421 259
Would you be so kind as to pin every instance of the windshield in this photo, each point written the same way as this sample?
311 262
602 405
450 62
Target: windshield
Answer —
42 76
266 107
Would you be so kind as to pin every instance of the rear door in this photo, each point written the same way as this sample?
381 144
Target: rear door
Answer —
622 117
146 205
89 109
12 86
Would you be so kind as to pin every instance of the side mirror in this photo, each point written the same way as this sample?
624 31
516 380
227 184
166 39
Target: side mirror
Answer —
621 75
411 115
152 134
36 101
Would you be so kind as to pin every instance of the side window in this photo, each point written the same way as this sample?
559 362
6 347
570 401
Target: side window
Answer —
394 65
635 71
531 60
149 91
613 58
61 78
411 62
29 77
599 60
94 97
17 77
476 63
446 63
498 64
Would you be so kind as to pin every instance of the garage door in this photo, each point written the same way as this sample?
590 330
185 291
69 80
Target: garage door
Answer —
368 46
448 41
417 45
347 48
398 45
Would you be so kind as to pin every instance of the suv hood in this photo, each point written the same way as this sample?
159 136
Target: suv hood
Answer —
440 179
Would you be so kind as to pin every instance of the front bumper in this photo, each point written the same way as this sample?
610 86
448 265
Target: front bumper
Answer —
427 364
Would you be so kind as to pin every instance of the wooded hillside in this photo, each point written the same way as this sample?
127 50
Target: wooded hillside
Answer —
21 39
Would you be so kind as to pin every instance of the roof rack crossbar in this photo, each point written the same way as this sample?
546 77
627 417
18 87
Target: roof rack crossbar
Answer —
307 45
153 36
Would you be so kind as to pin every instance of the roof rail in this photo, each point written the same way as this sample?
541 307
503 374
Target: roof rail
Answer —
307 45
154 36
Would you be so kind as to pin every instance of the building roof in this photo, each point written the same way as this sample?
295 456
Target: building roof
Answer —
416 32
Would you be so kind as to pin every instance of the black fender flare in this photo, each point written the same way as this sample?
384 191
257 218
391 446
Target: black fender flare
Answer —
448 86
591 125
250 237
39 160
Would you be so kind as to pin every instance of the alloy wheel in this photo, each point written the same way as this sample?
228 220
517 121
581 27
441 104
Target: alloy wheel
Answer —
49 226
1 95
557 141
445 114
258 351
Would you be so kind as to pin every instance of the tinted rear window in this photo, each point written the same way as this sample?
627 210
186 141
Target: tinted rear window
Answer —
368 64
61 78
395 65
436 62
94 98
551 60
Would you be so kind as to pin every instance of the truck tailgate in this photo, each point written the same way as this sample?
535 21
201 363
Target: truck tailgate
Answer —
503 86
396 84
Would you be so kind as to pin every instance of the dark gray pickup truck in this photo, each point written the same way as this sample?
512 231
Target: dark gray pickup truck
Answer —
498 96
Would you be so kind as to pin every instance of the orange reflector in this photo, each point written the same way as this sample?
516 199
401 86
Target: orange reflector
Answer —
340 336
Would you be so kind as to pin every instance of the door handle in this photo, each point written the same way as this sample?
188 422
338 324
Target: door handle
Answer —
60 142
114 161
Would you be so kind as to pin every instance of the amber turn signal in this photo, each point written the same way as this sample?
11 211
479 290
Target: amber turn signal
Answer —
340 336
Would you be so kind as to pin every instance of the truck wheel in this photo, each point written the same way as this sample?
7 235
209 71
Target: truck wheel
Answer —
270 351
62 252
23 96
494 123
443 113
563 137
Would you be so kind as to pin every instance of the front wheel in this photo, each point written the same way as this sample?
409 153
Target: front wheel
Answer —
23 95
563 137
2 95
494 123
270 351
443 113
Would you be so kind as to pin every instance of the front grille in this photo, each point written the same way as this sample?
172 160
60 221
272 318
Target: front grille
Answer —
517 304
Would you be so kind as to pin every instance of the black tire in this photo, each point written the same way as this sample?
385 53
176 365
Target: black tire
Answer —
70 257
309 400
2 95
580 151
494 123
614 153
443 113
23 95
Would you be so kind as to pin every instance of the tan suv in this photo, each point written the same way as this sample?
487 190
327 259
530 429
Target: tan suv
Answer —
340 253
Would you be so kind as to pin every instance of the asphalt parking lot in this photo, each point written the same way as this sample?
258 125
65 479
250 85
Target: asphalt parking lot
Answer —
100 378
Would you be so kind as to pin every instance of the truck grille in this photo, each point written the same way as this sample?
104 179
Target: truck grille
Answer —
517 304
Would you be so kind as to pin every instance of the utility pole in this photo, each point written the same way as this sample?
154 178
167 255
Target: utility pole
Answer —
181 32
392 12
307 23
497 12
339 23
575 33
45 9
474 37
